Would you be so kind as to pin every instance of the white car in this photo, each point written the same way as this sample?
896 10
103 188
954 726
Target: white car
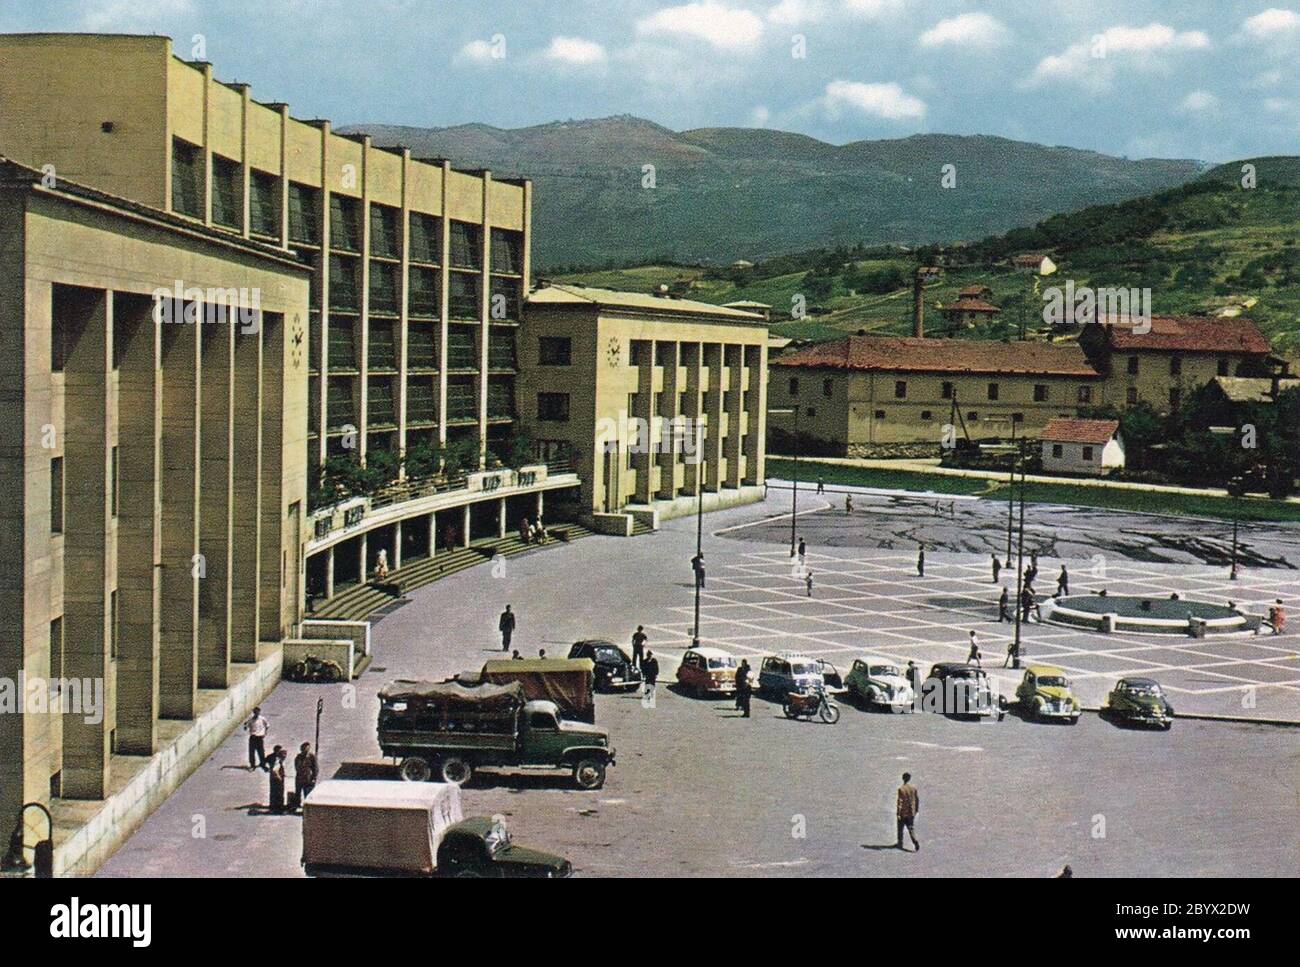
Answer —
879 682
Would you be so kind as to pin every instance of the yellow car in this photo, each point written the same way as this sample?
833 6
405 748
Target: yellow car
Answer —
1044 693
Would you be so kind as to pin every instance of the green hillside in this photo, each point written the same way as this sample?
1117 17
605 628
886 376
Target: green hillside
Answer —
1203 246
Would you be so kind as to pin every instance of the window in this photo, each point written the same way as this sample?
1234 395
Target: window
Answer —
927 415
187 179
56 495
1057 450
227 208
1175 398
993 391
263 204
1040 392
636 355
1132 365
382 349
553 407
426 237
423 297
421 347
880 414
345 223
947 390
383 287
56 649
1017 418
462 298
343 283
1085 394
812 412
304 214
828 388
501 349
1175 365
466 246
385 238
794 387
554 350
1132 395
507 251
505 299
900 389
973 416
1223 365
1087 453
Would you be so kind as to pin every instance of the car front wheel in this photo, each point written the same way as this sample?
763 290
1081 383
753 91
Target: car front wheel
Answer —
589 773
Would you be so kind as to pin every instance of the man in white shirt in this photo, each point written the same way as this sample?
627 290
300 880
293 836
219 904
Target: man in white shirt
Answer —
256 727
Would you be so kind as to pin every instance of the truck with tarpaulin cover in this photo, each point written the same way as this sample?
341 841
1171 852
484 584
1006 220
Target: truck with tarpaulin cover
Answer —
568 682
451 730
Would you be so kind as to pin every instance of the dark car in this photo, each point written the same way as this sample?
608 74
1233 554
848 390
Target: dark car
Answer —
1139 701
481 846
614 669
957 688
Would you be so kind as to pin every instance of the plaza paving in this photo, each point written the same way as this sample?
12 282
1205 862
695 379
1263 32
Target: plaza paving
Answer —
699 791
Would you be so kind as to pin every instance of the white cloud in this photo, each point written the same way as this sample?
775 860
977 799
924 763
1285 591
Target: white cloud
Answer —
888 100
967 30
791 13
760 116
722 27
576 51
475 52
110 15
873 9
1091 63
1198 102
1269 24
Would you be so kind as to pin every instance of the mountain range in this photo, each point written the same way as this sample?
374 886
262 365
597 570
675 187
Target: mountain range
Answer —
723 194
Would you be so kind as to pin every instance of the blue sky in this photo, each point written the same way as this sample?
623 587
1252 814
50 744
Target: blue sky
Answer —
1211 80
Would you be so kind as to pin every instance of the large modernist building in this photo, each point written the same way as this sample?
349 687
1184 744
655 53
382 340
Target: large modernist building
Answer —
419 271
650 397
153 482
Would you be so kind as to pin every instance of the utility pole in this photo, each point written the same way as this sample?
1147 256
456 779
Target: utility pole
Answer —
699 526
1011 490
1020 568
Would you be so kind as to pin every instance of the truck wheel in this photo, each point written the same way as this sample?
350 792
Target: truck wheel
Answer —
415 769
456 770
589 773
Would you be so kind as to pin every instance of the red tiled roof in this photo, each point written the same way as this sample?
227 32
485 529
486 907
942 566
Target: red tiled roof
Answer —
1203 334
973 291
1063 430
897 353
970 305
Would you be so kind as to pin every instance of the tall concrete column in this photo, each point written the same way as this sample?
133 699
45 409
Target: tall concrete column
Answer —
139 523
246 495
87 319
645 395
464 531
731 446
397 546
216 510
501 518
713 358
271 620
178 652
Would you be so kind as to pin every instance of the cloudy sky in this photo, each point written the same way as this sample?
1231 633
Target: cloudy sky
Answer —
1209 79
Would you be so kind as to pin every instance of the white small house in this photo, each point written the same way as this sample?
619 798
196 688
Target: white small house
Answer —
1093 447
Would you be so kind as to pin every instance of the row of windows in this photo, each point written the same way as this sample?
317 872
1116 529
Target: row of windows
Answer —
1223 367
1042 391
1058 451
424 294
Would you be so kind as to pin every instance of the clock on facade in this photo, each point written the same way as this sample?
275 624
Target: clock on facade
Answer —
614 352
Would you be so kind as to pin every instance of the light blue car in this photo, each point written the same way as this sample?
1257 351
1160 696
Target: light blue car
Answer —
788 672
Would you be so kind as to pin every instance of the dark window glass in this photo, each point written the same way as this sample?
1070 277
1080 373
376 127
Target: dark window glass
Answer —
385 239
501 349
462 353
423 297
382 348
554 351
1132 365
379 403
463 296
383 286
462 402
345 223
426 237
421 347
553 407
900 389
263 204
421 403
507 251
304 214
56 495
505 299
187 178
344 290
466 245
993 391
227 207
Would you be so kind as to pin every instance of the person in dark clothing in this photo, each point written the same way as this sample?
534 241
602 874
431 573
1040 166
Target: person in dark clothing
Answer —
1063 581
1026 603
506 625
743 688
256 727
638 646
1003 603
997 568
275 764
920 563
803 549
909 804
650 673
697 565
515 656
821 485
305 770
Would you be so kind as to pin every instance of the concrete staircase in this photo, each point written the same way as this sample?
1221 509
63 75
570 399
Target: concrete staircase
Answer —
361 600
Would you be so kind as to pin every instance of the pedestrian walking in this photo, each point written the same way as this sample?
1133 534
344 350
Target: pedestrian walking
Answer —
275 766
909 804
973 657
920 562
525 531
997 568
506 625
1026 603
1063 581
808 582
1011 653
743 688
803 549
697 565
1277 616
638 646
381 566
848 503
256 727
649 673
1003 602
821 485
305 771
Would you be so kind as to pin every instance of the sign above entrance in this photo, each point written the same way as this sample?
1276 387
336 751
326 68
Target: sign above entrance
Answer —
489 481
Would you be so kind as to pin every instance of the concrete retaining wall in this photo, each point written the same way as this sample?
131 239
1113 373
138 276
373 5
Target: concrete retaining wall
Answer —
341 651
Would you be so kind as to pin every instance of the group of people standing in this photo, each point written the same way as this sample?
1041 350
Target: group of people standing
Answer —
306 769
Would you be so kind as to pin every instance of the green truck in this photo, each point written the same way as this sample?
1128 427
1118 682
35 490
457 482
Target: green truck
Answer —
450 730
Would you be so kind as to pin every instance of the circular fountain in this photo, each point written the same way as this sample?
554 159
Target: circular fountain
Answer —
1136 614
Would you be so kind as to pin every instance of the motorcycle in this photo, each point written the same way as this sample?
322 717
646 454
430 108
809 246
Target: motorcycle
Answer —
804 705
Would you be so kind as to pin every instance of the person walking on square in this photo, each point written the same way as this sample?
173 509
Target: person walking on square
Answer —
973 657
1063 581
650 673
920 562
506 625
997 568
743 688
1277 616
803 549
1003 602
914 679
276 769
909 804
821 485
848 503
697 565
1026 603
256 727
305 771
808 583
638 646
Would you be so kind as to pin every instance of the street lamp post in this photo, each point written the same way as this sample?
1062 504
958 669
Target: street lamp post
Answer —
1011 490
699 525
1020 563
